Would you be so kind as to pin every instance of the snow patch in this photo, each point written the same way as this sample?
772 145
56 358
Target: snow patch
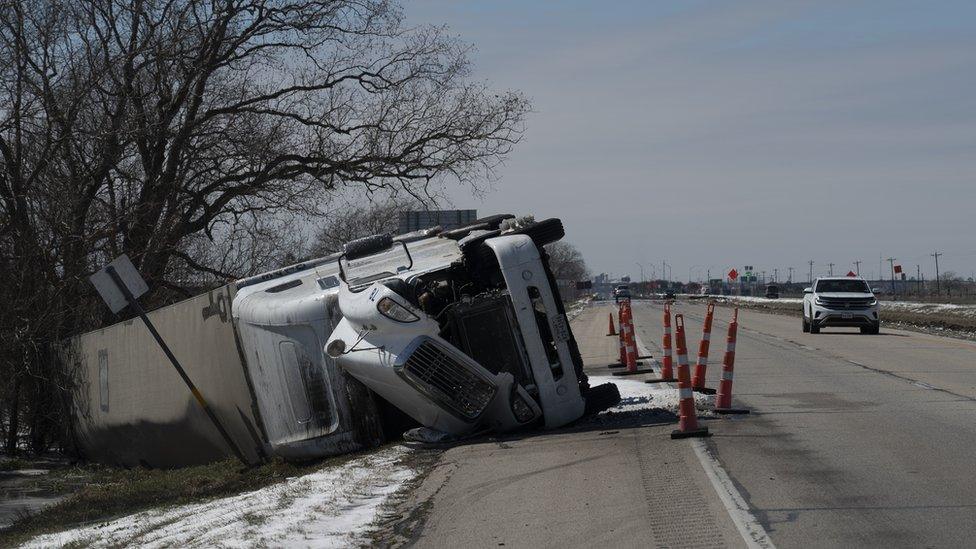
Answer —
332 507
637 396
901 306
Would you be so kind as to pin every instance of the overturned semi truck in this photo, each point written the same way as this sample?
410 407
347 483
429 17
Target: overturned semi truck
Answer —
462 331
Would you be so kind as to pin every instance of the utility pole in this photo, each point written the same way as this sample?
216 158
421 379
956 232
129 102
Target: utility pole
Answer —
790 279
857 267
811 271
938 287
775 275
830 269
918 279
891 263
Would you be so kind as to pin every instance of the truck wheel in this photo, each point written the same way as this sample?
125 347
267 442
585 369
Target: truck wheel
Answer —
367 245
543 232
876 329
814 329
806 325
600 398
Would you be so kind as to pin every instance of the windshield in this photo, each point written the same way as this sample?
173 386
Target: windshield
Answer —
374 267
852 286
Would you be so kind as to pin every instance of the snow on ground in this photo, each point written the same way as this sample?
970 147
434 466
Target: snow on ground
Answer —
332 507
637 396
754 299
929 308
899 306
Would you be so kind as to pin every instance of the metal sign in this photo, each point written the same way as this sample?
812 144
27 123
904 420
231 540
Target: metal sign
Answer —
109 290
733 274
120 285
851 273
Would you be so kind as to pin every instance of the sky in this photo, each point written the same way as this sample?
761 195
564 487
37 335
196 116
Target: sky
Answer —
713 135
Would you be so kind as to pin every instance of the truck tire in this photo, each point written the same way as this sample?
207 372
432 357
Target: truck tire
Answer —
543 232
600 398
367 245
806 325
814 329
873 329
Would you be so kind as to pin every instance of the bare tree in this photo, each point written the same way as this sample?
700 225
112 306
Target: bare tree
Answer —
566 262
190 135
352 221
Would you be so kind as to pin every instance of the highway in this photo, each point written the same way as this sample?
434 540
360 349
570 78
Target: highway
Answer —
853 441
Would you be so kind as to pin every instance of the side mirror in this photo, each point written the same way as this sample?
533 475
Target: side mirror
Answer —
808 290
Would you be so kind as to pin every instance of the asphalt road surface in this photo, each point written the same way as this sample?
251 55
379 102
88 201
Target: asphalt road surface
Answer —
854 440
615 483
866 441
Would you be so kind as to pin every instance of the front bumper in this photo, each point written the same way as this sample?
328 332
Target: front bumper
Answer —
434 382
823 316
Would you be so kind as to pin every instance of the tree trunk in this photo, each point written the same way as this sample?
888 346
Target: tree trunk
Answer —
13 423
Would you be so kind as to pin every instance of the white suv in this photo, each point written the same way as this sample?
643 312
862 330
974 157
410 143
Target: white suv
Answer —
840 301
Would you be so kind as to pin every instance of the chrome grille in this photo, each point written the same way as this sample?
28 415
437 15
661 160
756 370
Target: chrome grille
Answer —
842 303
447 380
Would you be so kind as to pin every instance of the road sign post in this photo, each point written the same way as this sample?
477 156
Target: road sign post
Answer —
119 284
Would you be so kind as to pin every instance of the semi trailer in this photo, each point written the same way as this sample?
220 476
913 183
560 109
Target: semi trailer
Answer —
460 331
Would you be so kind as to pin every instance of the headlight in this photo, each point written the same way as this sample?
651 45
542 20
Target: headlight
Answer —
818 301
873 302
394 311
523 412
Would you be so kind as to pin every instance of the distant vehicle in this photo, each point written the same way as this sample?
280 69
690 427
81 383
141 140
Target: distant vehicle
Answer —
772 291
669 294
840 301
621 292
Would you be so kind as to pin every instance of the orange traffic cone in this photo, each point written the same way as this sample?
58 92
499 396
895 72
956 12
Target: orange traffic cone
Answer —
698 380
611 331
723 403
687 417
667 365
621 346
630 343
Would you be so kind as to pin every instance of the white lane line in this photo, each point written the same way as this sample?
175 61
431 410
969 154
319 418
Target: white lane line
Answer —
752 532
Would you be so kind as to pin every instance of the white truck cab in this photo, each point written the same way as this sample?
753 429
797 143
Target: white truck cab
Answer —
840 301
465 331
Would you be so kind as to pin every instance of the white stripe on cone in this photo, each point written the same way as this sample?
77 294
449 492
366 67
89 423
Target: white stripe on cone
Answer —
730 348
685 393
703 360
727 375
707 336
